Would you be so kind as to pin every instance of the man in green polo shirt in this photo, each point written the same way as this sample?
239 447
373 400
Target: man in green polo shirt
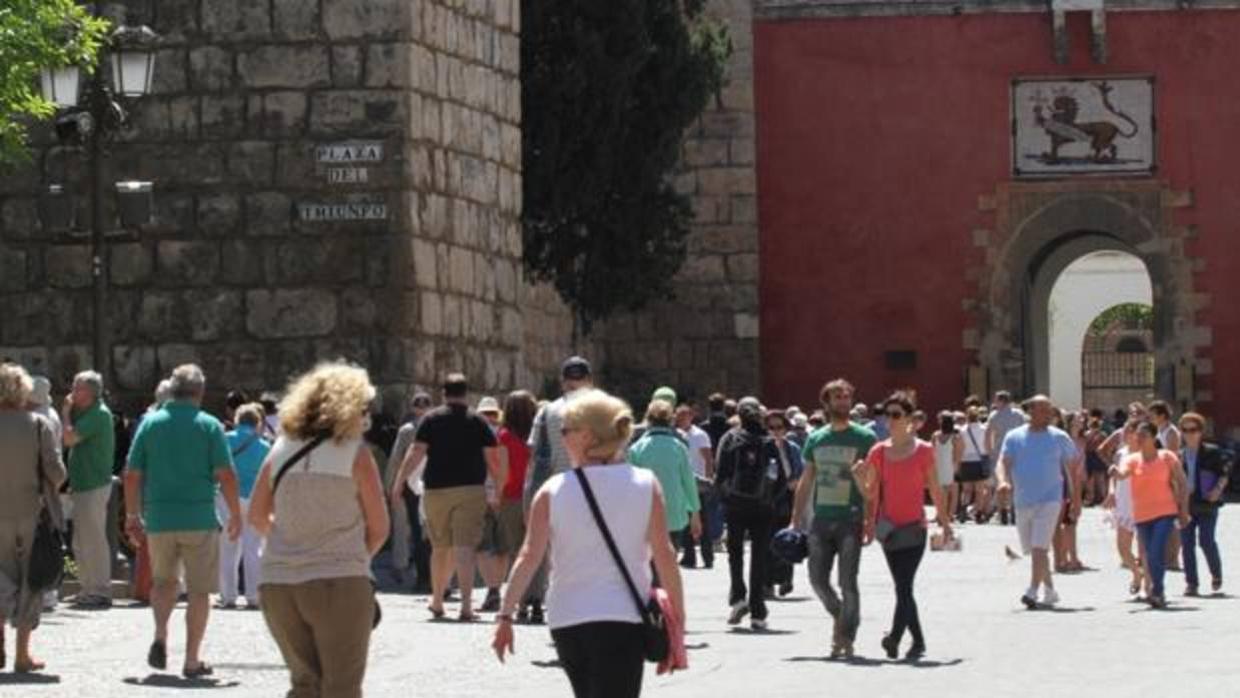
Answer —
831 455
178 458
88 431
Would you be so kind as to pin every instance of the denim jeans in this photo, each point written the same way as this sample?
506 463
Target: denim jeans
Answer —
1153 535
1201 527
828 540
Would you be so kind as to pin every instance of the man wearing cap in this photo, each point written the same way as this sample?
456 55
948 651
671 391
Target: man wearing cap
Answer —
1032 466
832 455
460 452
408 538
548 457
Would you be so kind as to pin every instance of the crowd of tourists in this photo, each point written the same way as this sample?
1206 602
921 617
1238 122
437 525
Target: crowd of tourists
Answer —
573 513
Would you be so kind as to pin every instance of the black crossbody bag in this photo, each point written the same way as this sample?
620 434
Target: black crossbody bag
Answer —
47 549
275 484
655 644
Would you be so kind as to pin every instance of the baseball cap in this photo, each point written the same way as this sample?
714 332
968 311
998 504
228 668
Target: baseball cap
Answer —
575 368
664 393
487 404
791 546
749 408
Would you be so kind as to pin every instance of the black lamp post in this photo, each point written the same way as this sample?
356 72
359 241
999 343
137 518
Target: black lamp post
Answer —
99 117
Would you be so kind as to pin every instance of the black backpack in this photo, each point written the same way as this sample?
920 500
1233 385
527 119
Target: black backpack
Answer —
748 482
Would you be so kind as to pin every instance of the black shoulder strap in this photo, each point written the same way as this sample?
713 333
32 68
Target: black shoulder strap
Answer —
301 453
246 444
611 543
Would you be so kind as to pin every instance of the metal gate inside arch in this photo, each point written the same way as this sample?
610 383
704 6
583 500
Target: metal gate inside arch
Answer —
1117 364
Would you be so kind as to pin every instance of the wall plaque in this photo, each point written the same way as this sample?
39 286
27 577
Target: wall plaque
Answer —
342 211
355 151
1096 125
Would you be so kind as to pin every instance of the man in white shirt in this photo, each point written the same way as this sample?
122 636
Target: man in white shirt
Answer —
702 460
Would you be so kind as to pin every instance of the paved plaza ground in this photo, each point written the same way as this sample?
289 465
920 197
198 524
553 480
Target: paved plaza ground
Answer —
981 641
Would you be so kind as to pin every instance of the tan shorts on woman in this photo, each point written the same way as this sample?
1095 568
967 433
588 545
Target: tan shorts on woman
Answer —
454 516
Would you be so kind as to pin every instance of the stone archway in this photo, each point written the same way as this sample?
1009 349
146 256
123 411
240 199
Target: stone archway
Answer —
1040 228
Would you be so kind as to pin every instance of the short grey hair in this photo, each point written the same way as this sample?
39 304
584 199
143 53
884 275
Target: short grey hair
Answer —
92 380
187 381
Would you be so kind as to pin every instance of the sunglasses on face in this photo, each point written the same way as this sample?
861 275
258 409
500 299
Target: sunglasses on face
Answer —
1191 430
893 414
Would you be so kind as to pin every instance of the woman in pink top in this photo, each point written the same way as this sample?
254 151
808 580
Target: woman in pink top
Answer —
1159 500
897 473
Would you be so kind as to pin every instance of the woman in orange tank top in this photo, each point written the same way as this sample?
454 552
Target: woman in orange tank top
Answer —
1159 501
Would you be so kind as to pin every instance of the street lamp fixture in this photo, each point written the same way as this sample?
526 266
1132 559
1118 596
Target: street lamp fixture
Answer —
135 201
133 60
60 85
56 209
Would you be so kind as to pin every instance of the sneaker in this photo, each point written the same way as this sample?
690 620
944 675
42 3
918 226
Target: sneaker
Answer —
740 609
758 624
1191 591
536 615
1216 584
491 604
785 589
1050 597
1030 602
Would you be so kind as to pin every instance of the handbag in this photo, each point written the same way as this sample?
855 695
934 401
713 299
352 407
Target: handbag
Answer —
656 645
47 551
983 458
293 460
893 537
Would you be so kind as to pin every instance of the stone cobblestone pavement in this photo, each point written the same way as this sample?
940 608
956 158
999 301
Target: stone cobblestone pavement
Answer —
981 641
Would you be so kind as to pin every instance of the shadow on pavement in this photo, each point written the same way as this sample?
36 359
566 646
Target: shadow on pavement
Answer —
698 646
1055 609
751 631
547 664
28 679
871 662
1168 609
170 681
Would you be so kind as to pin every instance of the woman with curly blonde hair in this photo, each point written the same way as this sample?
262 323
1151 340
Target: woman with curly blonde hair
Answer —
31 470
319 500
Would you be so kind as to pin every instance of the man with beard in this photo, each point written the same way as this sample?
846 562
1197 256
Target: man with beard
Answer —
832 456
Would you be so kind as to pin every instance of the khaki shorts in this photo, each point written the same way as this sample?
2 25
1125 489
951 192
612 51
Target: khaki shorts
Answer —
511 527
454 516
199 551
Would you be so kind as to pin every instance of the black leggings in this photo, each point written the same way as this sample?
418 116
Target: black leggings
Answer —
603 659
903 565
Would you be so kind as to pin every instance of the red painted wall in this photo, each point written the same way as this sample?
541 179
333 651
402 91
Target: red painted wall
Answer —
875 138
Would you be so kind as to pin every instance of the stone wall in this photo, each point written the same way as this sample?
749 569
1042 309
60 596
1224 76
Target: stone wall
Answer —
706 338
247 268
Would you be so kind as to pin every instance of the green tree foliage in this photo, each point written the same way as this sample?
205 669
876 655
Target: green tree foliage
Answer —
608 89
35 34
1129 315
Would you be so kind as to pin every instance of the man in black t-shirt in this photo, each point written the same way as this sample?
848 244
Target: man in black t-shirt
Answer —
460 450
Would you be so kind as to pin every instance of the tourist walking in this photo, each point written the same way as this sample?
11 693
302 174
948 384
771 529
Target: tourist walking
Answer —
1004 416
178 458
1033 465
748 486
661 450
89 432
832 455
594 619
549 457
40 403
249 450
974 471
461 451
702 461
899 472
319 500
410 548
784 454
1159 501
948 454
32 471
1066 558
519 410
1207 471
1119 502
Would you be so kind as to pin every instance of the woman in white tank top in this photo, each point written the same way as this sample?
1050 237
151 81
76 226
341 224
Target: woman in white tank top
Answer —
1119 501
594 620
948 453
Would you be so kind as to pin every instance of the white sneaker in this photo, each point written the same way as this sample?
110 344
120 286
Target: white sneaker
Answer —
1050 597
756 624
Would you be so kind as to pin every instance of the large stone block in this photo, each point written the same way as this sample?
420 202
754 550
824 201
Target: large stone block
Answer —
214 314
241 262
219 214
268 213
285 66
130 264
425 266
315 261
169 356
703 269
222 116
742 267
134 367
210 68
356 113
162 317
251 163
279 114
68 266
12 270
347 62
231 20
387 65
188 263
374 19
171 72
290 313
432 313
18 218
295 19
727 181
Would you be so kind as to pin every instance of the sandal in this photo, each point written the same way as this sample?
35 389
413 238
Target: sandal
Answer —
437 614
157 656
28 667
198 672
468 618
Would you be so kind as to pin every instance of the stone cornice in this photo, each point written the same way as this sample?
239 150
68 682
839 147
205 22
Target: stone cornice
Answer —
808 9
